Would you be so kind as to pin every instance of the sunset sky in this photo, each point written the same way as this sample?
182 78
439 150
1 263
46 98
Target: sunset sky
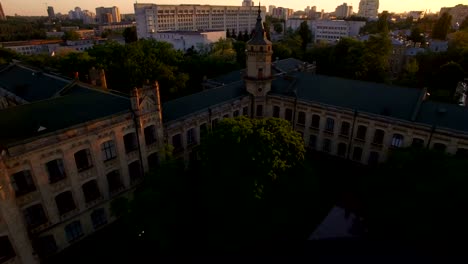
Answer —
38 7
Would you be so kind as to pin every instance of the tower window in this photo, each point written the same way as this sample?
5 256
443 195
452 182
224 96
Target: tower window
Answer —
260 73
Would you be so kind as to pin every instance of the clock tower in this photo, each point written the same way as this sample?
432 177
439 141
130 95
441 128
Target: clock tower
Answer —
259 50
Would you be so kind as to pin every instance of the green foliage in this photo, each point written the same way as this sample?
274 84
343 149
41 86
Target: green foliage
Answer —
7 55
278 27
382 23
71 35
464 24
15 29
442 27
305 34
130 35
417 36
417 195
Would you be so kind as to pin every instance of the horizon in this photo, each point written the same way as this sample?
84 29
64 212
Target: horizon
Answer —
13 7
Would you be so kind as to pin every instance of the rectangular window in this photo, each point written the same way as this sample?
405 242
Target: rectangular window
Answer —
341 150
46 245
245 111
150 135
214 122
378 137
373 158
330 125
326 147
65 202
203 130
235 113
288 114
34 216
191 136
134 171
56 170
73 231
22 183
130 142
108 150
259 111
98 217
301 117
397 141
357 154
83 160
91 191
345 127
361 133
114 182
276 111
6 249
315 122
313 142
177 142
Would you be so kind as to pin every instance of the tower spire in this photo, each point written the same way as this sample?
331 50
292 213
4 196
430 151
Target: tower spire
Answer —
259 37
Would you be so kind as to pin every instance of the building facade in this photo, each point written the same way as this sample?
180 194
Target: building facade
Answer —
343 11
59 174
50 12
107 15
458 13
152 18
330 31
184 40
369 9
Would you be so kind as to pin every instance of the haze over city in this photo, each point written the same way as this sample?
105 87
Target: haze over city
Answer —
27 7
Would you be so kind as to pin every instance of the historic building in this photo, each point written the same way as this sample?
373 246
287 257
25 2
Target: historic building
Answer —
68 149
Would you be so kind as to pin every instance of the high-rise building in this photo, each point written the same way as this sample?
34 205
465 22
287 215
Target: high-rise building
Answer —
369 8
248 3
458 13
270 9
107 15
50 12
343 11
153 18
282 12
2 14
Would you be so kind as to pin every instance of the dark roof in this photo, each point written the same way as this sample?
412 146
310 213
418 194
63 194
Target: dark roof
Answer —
259 37
376 98
287 65
180 107
29 84
444 115
23 121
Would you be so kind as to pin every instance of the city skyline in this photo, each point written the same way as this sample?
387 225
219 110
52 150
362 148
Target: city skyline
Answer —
12 7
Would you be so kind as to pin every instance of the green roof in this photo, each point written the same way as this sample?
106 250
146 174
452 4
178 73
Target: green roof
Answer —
184 106
376 98
29 84
444 115
23 121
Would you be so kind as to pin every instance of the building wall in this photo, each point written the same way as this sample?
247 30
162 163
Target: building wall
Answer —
152 18
369 8
185 40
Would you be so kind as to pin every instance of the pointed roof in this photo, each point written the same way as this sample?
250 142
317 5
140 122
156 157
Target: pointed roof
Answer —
259 37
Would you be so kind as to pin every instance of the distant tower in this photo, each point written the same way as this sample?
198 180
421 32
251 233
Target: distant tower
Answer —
50 12
2 14
258 76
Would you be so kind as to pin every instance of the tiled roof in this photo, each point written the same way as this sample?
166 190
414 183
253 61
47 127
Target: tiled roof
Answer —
23 121
29 84
181 107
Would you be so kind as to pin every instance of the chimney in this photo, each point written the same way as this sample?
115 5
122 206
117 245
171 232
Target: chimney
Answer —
98 77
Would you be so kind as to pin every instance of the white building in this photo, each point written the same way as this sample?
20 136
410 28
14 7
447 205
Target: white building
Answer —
184 40
329 30
343 11
32 47
270 9
105 15
152 18
369 8
248 3
416 15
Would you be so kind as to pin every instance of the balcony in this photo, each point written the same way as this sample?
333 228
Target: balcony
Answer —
27 198
328 133
94 202
343 136
132 155
116 191
84 175
152 146
69 214
359 141
376 146
40 227
59 186
111 163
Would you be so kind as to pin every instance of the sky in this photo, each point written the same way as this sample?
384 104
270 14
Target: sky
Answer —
38 7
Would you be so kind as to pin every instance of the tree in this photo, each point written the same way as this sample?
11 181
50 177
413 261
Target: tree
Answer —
71 35
382 23
447 79
7 55
430 191
442 26
305 34
417 36
278 27
464 24
130 35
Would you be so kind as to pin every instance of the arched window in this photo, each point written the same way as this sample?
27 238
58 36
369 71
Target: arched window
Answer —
397 141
